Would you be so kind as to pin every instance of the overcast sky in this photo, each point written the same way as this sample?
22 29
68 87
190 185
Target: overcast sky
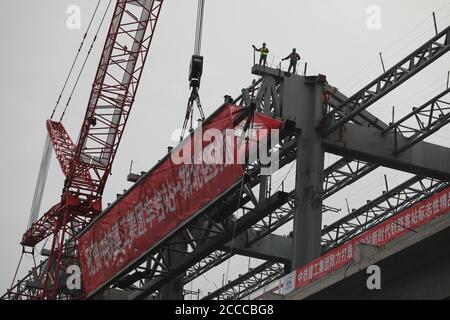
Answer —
332 36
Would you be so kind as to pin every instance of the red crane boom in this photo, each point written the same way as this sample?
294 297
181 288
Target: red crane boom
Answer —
87 164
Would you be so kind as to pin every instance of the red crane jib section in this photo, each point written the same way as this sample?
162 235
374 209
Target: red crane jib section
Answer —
175 190
65 150
87 164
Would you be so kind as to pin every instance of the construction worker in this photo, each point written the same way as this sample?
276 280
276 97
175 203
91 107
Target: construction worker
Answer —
326 100
264 53
293 57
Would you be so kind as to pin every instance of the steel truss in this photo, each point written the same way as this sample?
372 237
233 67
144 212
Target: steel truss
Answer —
430 117
374 212
391 79
421 122
248 283
201 242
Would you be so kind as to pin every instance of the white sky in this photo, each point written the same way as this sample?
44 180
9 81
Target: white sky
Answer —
332 36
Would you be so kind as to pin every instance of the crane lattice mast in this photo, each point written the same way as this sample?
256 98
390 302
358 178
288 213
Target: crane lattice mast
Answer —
87 163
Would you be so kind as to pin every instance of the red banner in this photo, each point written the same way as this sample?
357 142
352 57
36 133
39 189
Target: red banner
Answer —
393 228
167 196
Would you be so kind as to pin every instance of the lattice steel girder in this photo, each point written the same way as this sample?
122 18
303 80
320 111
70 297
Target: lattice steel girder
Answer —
246 284
213 244
391 79
211 261
374 212
273 273
364 118
343 173
369 144
273 247
422 121
277 218
388 204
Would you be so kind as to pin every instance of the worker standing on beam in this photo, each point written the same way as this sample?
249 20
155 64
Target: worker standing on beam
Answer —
264 53
293 57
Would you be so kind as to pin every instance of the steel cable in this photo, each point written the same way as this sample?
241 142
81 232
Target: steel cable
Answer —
75 60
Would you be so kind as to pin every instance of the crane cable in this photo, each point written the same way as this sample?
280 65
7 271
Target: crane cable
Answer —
75 60
85 61
199 27
40 183
195 73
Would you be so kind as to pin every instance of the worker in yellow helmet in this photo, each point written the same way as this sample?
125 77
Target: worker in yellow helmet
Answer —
264 53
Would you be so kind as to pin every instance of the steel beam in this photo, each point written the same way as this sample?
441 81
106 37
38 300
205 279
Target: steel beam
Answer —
371 145
273 248
302 102
411 129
